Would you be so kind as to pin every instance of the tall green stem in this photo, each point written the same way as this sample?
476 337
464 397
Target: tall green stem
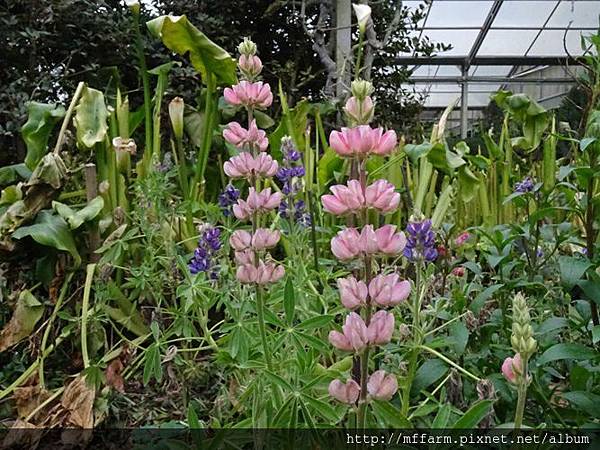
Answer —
417 338
359 56
521 397
85 312
211 86
139 47
260 311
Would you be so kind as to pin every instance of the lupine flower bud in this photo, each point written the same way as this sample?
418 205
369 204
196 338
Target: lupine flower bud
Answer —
462 238
345 245
245 257
252 138
344 199
240 240
247 47
353 336
389 241
251 95
264 273
352 293
360 112
345 393
176 114
382 195
251 66
361 89
362 141
257 202
388 290
382 386
264 238
458 271
512 368
522 332
381 328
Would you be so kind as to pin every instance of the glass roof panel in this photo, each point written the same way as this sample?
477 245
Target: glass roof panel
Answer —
583 13
439 71
497 71
458 13
524 13
507 42
461 40
550 43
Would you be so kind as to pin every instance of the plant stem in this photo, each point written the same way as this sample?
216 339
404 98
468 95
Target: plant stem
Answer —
359 56
211 86
260 306
361 415
521 397
84 313
417 338
139 47
67 119
57 306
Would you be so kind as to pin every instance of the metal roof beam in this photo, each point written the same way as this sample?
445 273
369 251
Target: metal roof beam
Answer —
487 60
489 20
490 79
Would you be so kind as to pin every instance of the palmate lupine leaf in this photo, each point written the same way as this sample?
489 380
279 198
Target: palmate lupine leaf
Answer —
180 36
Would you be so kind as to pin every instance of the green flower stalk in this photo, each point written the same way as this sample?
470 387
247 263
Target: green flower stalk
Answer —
514 368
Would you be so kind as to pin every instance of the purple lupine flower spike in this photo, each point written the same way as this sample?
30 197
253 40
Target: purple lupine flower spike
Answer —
420 242
208 245
289 174
228 198
525 185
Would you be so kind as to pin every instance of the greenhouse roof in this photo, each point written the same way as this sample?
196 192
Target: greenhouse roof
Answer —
497 44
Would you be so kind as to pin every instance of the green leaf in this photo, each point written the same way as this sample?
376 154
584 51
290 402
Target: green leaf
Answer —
14 173
315 322
289 300
585 401
27 313
429 372
329 163
551 324
469 183
41 120
442 417
276 379
596 334
52 231
415 152
152 365
474 415
192 418
77 218
391 416
180 36
566 351
90 118
459 337
263 120
483 297
585 142
126 314
572 269
321 408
